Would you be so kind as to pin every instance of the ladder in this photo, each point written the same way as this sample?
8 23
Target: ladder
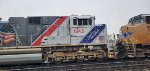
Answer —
18 42
131 49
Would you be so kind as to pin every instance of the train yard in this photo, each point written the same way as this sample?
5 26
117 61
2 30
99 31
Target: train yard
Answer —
142 64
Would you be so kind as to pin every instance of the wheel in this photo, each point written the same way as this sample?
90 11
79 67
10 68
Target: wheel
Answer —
57 62
99 59
80 60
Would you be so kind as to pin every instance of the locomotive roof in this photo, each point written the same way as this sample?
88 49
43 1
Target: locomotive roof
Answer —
145 14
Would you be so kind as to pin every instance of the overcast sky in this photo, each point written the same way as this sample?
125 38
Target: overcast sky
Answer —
113 13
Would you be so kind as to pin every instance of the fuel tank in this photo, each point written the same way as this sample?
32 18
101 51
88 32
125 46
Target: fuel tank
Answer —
18 59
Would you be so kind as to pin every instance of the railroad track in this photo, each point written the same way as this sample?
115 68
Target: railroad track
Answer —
115 65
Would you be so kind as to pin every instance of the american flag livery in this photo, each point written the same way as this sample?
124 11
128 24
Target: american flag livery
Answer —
101 39
7 38
7 34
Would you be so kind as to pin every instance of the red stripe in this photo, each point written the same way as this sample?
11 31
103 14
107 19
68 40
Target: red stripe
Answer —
6 34
49 31
8 42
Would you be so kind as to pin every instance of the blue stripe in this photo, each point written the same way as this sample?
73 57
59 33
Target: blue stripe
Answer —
96 30
125 35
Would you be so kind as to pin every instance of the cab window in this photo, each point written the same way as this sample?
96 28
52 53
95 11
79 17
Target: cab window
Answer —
85 22
90 21
81 22
74 21
148 19
136 20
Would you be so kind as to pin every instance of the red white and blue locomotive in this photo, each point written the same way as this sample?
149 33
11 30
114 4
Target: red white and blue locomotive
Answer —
61 38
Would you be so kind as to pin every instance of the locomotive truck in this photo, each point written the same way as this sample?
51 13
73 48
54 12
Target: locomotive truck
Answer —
61 38
134 38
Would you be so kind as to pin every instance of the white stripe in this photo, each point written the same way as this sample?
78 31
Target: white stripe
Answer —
9 39
8 36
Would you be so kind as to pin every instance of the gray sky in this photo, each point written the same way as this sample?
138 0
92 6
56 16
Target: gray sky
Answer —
114 13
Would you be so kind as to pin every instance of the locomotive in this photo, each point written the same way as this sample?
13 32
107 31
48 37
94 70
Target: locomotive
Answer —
134 38
61 38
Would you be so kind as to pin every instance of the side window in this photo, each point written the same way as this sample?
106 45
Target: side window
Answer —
141 20
138 20
90 21
74 21
133 21
148 19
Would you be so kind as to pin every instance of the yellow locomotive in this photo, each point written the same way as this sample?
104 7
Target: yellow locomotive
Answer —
134 38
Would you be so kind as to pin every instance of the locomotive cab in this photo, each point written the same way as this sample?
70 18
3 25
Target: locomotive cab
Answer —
79 26
137 28
140 19
83 20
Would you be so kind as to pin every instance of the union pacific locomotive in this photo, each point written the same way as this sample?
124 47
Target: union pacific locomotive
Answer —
134 40
61 38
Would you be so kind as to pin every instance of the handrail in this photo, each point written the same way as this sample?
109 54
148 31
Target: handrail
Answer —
17 37
134 48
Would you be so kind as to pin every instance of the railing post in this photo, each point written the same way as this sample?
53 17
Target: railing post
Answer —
31 41
16 41
1 43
